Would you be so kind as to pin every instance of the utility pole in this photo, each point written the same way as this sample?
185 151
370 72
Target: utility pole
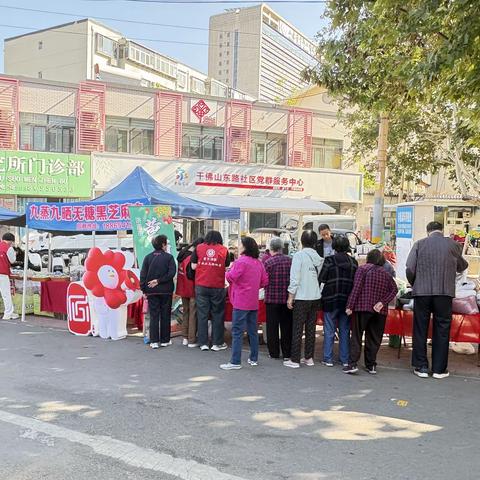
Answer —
379 200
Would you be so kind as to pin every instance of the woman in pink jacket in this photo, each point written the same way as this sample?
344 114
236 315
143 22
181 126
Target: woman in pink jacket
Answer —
246 277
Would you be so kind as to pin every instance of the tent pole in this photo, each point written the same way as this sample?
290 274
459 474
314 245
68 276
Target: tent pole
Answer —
119 241
25 271
299 230
93 239
49 264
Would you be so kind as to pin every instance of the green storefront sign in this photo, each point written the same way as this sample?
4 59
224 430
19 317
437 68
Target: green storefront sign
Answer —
149 222
45 174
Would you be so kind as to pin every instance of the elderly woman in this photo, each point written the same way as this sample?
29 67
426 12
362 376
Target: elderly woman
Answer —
246 277
373 289
303 299
276 296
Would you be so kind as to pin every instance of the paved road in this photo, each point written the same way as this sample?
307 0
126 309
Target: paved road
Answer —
83 408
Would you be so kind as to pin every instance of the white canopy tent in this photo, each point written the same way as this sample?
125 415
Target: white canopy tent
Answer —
249 203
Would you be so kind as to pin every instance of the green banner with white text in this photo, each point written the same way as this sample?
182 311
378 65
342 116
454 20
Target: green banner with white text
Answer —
45 174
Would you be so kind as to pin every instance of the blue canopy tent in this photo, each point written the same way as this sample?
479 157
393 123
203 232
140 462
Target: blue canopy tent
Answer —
141 185
9 217
110 213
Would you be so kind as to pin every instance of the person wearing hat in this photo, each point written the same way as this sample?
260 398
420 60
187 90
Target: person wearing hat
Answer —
7 257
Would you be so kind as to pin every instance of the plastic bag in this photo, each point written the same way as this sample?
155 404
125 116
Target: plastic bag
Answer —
465 306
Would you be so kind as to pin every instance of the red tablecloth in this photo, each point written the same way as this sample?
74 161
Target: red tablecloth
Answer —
465 328
53 298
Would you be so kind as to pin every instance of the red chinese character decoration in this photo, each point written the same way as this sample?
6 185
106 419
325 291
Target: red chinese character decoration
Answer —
200 109
78 310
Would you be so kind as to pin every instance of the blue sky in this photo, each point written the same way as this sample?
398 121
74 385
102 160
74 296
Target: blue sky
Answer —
305 17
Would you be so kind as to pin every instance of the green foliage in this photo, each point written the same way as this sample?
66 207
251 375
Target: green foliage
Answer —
416 60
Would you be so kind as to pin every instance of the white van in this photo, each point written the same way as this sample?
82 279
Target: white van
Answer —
335 222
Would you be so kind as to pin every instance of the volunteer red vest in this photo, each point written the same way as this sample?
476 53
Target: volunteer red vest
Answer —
4 261
210 270
185 286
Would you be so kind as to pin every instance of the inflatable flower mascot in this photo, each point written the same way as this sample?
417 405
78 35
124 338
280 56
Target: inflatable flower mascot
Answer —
113 286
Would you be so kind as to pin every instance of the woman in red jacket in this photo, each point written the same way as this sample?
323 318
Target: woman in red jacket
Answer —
186 290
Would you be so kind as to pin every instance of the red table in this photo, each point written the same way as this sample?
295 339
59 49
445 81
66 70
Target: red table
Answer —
53 298
465 328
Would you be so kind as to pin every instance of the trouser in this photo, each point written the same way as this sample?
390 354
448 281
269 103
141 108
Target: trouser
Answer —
210 301
279 315
160 308
441 308
244 320
6 292
373 324
304 314
330 322
189 323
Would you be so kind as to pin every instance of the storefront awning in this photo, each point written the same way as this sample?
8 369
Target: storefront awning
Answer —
247 203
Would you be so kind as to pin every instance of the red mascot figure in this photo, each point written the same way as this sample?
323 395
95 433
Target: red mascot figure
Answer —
112 287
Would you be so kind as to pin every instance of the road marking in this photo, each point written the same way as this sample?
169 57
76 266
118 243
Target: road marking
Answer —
126 452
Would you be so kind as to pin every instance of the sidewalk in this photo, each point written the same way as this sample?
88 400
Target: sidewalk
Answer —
463 365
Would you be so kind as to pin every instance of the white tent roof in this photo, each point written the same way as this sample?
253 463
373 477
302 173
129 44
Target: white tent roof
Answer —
248 203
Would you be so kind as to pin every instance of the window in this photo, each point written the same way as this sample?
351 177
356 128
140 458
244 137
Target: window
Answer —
182 79
203 143
198 86
107 46
40 75
40 45
47 133
152 60
268 148
129 135
263 220
327 153
219 64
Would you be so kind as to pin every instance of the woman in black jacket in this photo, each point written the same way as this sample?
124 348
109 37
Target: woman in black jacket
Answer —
156 281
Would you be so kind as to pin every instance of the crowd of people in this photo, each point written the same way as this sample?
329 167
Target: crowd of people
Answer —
322 276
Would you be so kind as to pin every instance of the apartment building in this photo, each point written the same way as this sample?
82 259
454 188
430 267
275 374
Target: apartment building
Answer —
89 50
257 51
65 140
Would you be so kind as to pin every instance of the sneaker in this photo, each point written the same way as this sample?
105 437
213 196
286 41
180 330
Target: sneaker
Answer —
204 348
230 366
218 348
345 364
371 370
439 376
350 369
285 359
308 362
166 344
291 364
154 345
13 316
329 364
421 372
253 363
185 342
192 345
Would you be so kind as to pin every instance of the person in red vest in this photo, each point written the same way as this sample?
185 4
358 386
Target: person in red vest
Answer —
7 257
209 260
186 290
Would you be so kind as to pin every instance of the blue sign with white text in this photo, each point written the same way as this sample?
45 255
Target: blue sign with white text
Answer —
404 222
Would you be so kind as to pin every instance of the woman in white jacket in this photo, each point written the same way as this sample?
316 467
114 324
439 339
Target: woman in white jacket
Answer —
303 297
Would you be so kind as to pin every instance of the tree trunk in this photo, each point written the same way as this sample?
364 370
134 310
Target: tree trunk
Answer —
379 200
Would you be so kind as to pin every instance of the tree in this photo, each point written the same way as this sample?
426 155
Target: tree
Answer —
391 60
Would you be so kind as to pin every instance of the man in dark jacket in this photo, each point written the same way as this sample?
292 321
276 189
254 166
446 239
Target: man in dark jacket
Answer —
432 267
325 245
156 281
337 275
